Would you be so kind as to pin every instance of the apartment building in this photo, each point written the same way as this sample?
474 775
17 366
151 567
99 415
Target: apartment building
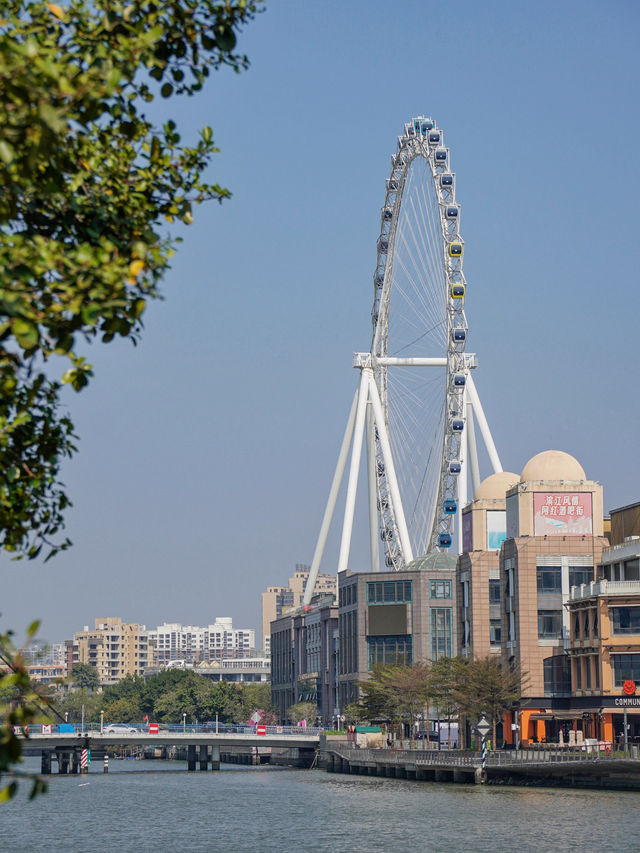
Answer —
114 648
193 644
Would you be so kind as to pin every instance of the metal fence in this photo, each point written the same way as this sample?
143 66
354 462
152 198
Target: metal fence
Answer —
500 758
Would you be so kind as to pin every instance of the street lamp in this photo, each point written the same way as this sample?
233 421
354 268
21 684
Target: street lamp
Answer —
184 722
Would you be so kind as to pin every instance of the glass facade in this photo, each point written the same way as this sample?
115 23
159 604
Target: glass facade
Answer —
389 592
441 637
389 650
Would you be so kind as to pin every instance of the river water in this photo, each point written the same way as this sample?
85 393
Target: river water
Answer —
158 806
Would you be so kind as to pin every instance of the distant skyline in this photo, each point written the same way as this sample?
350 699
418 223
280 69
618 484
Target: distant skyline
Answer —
206 453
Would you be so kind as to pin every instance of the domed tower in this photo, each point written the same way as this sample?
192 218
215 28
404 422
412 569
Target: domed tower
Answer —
554 498
554 521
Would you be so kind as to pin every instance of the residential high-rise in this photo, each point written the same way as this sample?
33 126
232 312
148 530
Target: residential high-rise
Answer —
193 644
114 648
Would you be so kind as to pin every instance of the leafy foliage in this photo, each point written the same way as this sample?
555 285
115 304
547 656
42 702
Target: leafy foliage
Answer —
165 697
307 711
20 703
86 181
451 686
85 675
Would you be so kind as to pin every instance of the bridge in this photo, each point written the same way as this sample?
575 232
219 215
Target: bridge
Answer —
202 746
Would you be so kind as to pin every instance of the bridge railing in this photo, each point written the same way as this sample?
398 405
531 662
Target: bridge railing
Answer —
173 728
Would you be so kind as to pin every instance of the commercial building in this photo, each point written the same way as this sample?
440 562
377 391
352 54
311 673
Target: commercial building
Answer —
395 618
484 529
554 541
304 651
193 644
114 648
604 649
277 599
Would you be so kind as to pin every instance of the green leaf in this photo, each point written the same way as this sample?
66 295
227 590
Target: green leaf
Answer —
25 331
167 90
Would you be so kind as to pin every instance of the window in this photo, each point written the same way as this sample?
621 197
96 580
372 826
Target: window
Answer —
625 620
557 676
587 673
494 592
495 630
389 650
576 625
439 589
441 642
578 664
625 668
580 575
549 624
549 578
389 592
595 625
586 628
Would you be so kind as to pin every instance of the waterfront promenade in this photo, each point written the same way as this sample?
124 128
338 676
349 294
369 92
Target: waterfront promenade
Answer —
552 766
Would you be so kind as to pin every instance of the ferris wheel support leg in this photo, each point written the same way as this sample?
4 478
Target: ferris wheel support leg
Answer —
389 467
484 426
331 503
472 448
373 491
354 471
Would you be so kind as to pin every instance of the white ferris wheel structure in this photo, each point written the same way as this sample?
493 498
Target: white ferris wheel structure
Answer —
416 406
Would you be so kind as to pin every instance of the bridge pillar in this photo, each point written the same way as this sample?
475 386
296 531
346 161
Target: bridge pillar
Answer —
45 762
63 760
215 756
204 756
191 756
75 762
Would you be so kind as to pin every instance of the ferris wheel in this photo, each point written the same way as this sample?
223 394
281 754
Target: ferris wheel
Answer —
416 400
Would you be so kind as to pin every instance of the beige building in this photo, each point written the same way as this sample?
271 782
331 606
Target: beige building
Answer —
276 599
554 541
478 570
114 648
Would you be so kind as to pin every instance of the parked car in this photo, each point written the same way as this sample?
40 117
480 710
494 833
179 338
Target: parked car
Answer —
119 729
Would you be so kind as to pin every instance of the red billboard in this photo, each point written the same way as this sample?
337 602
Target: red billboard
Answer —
562 514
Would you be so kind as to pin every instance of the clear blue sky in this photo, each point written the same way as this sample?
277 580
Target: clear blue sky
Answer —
207 452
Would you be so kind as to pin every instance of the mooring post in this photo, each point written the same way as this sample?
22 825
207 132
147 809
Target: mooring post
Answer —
105 767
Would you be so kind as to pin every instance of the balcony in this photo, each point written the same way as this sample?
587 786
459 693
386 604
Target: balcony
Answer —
608 588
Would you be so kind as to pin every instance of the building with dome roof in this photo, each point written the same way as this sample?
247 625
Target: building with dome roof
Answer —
554 540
